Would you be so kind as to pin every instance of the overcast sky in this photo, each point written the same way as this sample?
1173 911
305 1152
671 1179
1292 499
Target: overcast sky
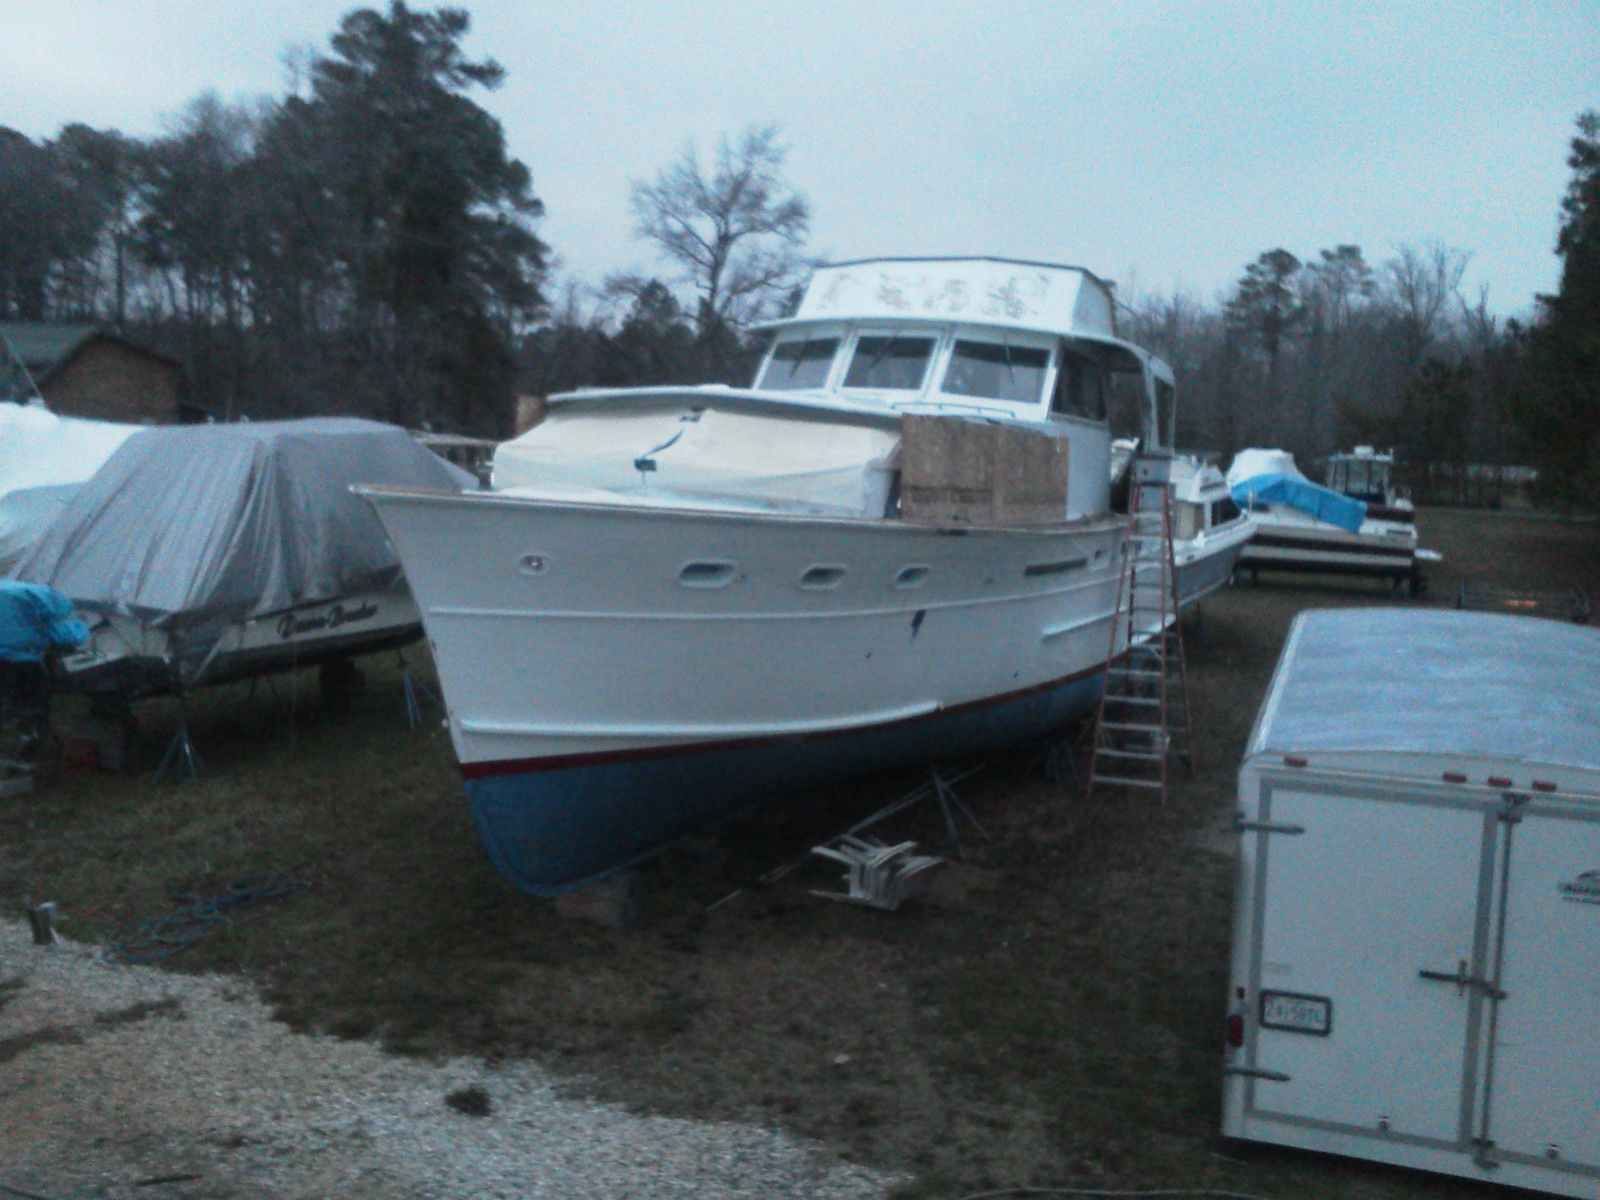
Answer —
1164 145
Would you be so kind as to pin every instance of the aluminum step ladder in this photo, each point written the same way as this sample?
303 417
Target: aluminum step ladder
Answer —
1142 724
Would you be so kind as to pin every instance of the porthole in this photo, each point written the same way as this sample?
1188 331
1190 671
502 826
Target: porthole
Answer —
705 573
911 576
822 578
533 564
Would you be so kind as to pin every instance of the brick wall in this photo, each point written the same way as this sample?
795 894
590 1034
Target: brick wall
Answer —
108 381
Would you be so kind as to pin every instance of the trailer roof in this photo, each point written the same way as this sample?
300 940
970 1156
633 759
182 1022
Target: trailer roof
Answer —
1446 683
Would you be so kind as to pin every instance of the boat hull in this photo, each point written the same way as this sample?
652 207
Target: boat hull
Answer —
617 677
1318 548
1204 566
550 826
133 660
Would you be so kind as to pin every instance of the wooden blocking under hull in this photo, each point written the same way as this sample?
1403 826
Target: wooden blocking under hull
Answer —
611 901
966 471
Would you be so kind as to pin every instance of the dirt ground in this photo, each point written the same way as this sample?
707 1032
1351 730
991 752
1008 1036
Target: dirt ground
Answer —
1049 1016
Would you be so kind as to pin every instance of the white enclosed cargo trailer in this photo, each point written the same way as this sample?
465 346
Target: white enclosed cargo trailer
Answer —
1416 956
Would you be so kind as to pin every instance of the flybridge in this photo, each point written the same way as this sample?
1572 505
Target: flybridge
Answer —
1061 300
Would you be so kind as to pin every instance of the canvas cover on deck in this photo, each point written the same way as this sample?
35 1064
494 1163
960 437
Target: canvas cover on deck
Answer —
43 458
194 528
661 453
1271 477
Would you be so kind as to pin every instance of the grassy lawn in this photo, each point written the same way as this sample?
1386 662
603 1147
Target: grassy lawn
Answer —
1051 1015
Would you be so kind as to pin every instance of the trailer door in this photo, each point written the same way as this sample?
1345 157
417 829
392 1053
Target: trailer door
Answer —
1377 888
1541 1086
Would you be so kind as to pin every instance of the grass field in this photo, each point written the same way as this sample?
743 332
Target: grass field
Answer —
1050 1016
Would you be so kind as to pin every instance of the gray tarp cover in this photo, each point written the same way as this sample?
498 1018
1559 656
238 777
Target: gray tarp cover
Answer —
193 528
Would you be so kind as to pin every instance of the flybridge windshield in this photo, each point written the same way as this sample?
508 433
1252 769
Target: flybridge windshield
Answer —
897 363
996 372
799 363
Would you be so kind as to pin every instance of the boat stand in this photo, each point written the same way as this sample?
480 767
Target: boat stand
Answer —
942 790
1058 761
416 691
181 756
896 866
876 875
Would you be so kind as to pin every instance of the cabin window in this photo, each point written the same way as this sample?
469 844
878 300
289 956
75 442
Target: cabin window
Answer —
1187 519
889 362
799 363
1223 511
1080 387
1365 479
996 371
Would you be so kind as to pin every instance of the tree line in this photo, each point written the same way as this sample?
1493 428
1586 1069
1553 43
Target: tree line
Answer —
366 244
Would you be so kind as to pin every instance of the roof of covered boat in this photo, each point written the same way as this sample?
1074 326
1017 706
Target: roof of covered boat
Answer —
1005 292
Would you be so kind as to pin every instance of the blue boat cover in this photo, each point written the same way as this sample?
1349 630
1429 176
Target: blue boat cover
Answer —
35 620
1322 503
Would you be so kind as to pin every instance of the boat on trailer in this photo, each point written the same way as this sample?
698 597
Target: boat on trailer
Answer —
1357 525
202 554
897 546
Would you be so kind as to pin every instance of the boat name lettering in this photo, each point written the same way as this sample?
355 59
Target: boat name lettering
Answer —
1585 889
290 625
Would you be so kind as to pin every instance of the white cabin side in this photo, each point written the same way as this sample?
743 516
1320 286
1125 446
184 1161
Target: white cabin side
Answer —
1010 341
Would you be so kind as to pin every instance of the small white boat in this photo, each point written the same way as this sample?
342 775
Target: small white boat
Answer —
1209 529
1357 525
677 602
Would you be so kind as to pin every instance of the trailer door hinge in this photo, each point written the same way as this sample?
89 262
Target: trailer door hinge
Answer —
1511 804
1240 825
1256 1073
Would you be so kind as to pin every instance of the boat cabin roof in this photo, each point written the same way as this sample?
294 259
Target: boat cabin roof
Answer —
1001 292
999 337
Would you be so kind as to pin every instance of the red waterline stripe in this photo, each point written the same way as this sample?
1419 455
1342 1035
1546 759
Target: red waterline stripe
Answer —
562 762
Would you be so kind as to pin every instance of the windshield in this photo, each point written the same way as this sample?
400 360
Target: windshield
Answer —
889 362
996 371
799 363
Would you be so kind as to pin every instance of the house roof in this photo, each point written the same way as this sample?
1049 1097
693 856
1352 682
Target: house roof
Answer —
40 345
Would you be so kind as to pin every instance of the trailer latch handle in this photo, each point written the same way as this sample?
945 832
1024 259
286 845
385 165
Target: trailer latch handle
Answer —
1463 981
1242 826
1257 1073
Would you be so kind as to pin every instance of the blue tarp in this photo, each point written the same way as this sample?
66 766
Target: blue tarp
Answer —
1322 503
35 620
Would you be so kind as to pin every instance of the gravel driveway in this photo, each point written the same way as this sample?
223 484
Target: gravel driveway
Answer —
120 1081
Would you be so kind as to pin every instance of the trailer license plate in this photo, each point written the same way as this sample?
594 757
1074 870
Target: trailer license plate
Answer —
1297 1013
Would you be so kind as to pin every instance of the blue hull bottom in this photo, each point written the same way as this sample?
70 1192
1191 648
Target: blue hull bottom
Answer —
554 825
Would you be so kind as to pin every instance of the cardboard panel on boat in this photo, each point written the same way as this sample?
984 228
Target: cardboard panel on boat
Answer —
960 470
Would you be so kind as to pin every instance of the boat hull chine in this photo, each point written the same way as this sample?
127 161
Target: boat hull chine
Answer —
553 825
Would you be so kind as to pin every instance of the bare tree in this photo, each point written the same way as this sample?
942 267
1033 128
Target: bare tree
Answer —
734 228
1420 285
